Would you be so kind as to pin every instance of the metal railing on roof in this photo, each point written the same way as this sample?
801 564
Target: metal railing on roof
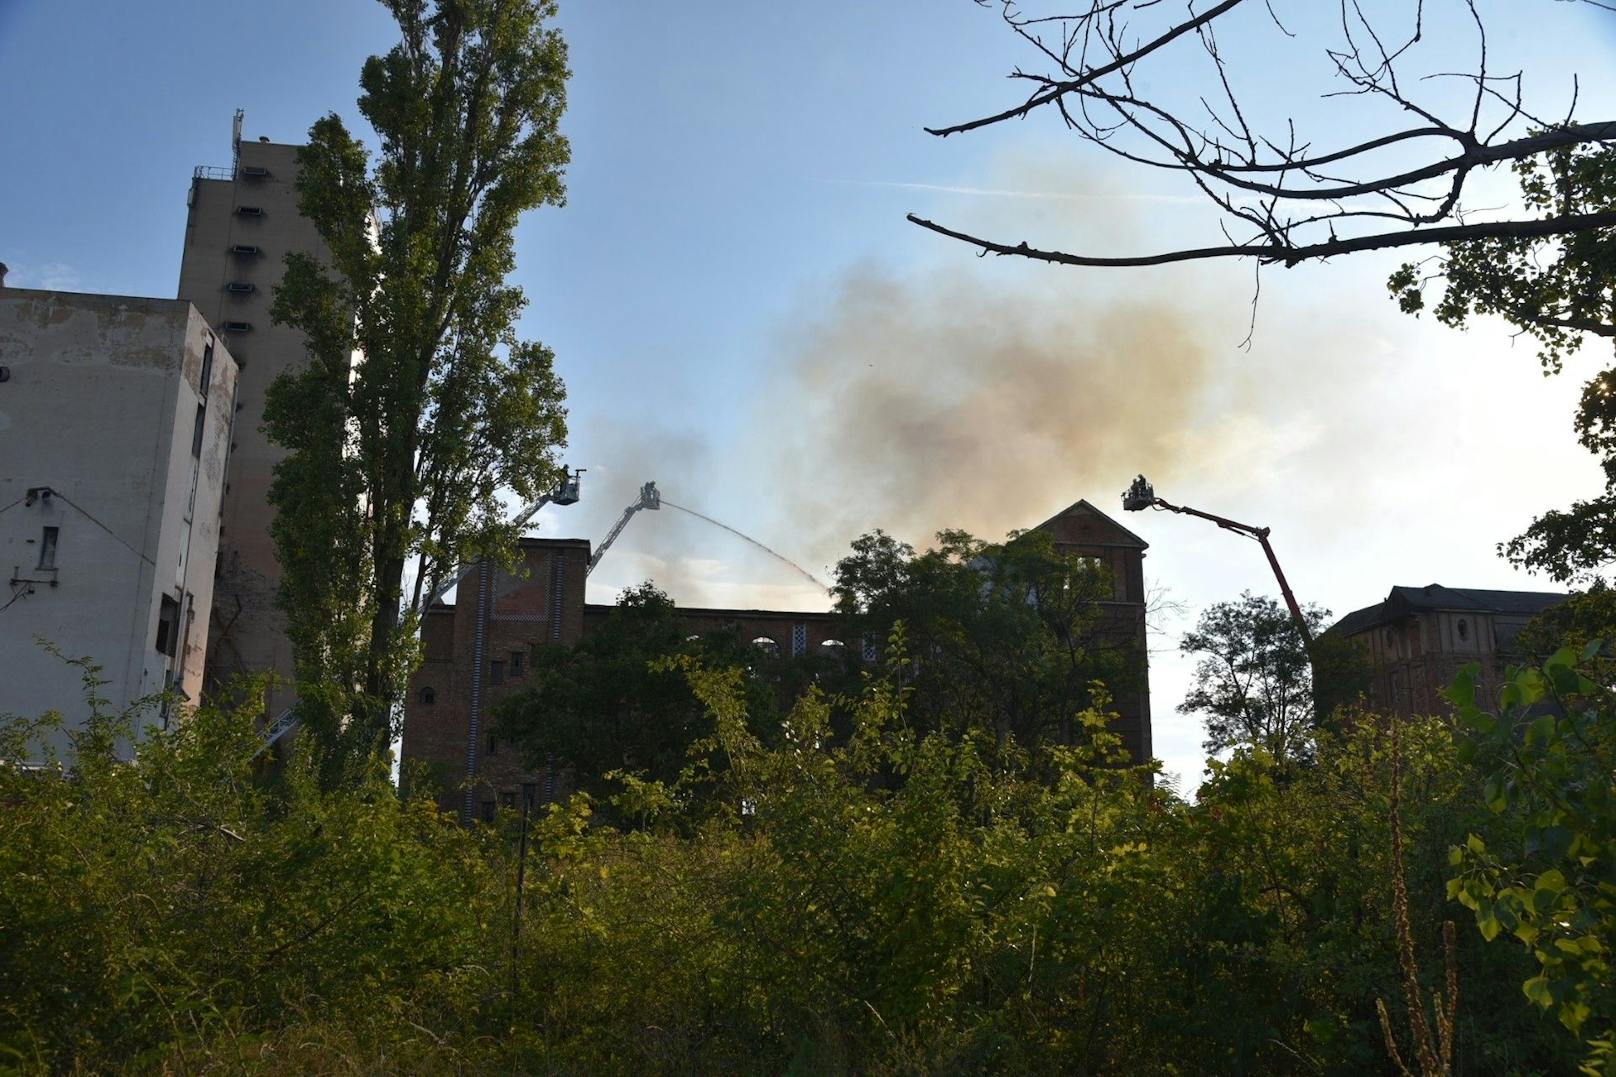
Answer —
213 173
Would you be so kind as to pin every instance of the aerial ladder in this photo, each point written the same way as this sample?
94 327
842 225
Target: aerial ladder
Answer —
565 493
1141 495
649 499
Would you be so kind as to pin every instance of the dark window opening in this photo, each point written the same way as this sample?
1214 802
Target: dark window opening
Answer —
254 171
237 327
168 626
428 696
196 431
245 250
516 663
249 211
488 811
241 287
496 672
508 799
47 548
493 744
207 370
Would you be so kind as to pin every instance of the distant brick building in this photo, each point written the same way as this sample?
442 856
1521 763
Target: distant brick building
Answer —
1419 637
479 649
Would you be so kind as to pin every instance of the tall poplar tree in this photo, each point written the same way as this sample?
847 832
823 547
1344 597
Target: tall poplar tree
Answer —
419 402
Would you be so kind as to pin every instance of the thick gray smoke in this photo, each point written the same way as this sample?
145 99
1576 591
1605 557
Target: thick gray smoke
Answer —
920 404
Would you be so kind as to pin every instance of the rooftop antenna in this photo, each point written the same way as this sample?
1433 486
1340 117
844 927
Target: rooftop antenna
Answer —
235 139
1141 495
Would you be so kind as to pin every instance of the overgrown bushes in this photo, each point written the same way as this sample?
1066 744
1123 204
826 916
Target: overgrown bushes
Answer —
884 900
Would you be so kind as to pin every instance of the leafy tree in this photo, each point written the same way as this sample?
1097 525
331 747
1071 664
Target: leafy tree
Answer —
1548 876
398 456
1254 683
1558 292
1007 637
612 705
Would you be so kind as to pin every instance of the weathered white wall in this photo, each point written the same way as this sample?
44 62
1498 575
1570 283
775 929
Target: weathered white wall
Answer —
101 406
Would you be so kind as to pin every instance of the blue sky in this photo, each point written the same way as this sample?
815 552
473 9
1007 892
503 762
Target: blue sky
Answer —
741 312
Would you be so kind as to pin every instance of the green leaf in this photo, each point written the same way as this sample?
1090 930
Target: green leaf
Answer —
1537 990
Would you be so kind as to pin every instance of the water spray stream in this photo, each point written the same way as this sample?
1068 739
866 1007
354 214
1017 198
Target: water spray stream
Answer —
777 556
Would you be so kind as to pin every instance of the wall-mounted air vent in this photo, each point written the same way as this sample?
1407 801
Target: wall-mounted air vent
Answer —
240 287
249 211
254 171
246 250
237 327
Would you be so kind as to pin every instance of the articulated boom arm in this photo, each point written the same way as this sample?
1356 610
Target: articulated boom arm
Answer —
564 494
1141 495
649 499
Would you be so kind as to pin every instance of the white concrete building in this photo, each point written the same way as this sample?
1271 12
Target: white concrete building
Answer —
116 417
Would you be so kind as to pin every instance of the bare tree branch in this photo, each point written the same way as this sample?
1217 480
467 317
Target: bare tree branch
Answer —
1260 181
1288 255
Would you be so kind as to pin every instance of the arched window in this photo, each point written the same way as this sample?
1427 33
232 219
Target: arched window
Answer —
832 643
428 696
768 645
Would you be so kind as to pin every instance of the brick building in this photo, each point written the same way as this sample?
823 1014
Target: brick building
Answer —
1417 639
479 649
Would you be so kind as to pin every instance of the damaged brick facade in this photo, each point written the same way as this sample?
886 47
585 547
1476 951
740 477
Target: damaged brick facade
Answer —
479 649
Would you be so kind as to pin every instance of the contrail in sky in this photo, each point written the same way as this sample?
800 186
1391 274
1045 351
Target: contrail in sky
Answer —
1000 192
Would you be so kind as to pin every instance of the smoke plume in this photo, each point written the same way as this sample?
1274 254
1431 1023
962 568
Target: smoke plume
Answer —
925 403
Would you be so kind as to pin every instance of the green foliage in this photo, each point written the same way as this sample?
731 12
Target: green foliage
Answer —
159 912
1557 290
611 705
1254 683
1005 637
1546 875
397 458
879 897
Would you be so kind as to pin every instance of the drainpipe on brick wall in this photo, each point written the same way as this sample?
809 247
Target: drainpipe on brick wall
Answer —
474 714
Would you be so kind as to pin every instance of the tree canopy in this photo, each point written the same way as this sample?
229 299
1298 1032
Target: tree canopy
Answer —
1007 637
419 404
1254 682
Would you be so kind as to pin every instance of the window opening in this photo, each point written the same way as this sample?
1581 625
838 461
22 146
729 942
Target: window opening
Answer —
196 431
249 211
207 369
496 672
168 626
47 548
493 744
516 663
488 811
428 696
